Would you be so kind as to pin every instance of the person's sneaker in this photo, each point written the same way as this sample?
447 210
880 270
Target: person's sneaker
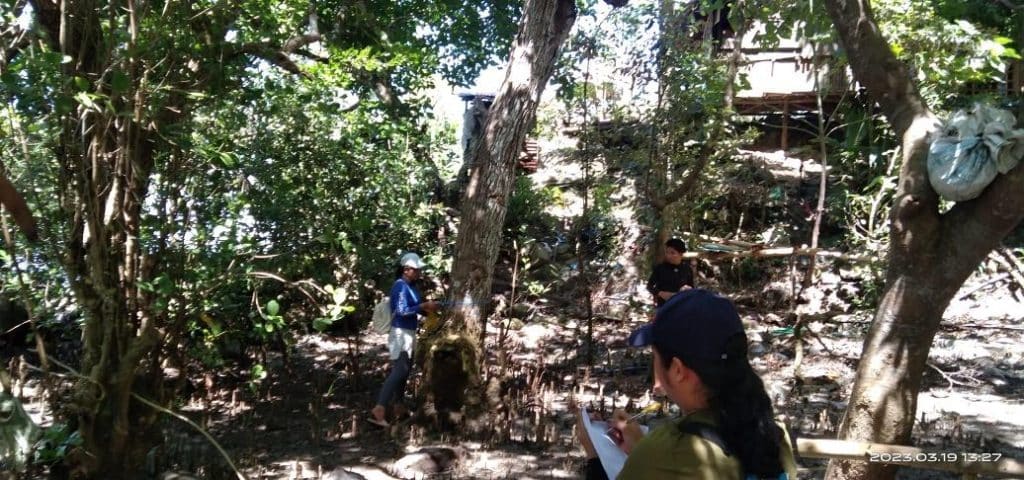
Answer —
377 416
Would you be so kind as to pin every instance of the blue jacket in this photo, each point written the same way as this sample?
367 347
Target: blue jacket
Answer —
405 305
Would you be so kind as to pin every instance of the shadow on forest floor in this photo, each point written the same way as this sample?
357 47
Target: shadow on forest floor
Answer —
307 418
310 417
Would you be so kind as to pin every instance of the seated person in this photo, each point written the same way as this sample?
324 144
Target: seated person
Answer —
727 429
672 275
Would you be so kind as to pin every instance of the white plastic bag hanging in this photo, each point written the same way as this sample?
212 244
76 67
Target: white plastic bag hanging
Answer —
973 147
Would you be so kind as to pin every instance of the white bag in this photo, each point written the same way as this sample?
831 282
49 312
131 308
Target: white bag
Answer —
972 148
382 316
960 170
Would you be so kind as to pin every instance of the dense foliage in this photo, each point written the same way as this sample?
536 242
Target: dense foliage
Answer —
280 156
260 166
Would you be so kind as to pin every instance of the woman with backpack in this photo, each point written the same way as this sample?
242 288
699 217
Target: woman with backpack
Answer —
406 305
727 430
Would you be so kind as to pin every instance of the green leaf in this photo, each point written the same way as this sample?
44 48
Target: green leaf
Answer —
227 159
81 84
162 284
83 98
272 308
967 27
9 79
119 82
63 105
258 372
322 324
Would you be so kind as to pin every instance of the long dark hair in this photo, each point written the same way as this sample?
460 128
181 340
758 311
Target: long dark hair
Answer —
742 408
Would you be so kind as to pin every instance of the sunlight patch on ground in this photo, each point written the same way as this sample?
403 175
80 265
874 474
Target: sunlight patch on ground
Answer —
951 350
370 473
533 335
987 414
782 167
496 464
327 344
993 307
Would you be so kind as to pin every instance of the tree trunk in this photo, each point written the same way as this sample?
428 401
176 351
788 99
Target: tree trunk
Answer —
930 255
106 157
103 193
11 201
453 360
128 85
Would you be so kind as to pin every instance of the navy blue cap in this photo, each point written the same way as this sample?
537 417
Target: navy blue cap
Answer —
694 323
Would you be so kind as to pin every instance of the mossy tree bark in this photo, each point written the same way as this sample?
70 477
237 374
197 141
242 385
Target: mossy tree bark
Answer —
454 357
931 253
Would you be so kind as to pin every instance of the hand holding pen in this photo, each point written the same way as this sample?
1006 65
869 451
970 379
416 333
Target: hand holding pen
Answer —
625 432
627 420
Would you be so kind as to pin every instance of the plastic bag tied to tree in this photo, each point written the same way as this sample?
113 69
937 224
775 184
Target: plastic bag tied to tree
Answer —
971 149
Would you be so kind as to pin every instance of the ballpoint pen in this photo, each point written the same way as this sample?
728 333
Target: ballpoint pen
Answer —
630 419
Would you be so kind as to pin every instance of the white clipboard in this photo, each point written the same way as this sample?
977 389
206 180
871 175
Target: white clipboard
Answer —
612 457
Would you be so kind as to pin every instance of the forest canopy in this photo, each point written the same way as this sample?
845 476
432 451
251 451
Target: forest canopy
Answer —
203 202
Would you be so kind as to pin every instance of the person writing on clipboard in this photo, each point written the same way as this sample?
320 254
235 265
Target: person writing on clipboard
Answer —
727 429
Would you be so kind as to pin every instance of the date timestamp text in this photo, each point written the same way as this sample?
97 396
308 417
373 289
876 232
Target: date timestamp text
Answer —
926 457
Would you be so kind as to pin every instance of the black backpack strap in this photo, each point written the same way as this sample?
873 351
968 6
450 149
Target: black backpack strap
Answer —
707 432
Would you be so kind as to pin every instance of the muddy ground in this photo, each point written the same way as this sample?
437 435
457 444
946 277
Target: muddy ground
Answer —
307 420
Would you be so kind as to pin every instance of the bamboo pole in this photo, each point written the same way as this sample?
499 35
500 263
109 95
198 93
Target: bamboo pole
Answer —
961 462
777 252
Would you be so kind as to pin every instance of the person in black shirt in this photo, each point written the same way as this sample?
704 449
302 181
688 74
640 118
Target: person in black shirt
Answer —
672 275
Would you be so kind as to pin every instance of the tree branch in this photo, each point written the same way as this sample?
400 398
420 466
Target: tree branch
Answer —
12 202
685 187
310 55
975 227
279 55
1010 5
271 55
875 66
299 41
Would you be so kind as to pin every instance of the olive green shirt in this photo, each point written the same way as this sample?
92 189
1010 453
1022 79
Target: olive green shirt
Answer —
669 454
